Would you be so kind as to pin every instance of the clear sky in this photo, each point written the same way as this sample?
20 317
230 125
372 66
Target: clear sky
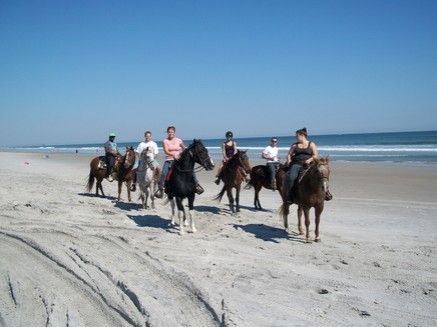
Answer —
72 71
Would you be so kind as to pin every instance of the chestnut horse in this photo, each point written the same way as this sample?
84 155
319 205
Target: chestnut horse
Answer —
124 171
309 192
98 173
233 174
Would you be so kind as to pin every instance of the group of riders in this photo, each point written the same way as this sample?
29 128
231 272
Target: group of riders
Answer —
300 155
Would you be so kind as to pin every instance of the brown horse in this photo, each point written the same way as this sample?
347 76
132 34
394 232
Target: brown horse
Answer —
309 193
260 177
233 174
124 171
97 172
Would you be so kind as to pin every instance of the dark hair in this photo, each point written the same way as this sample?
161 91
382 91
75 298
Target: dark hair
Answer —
302 131
274 138
147 132
171 127
229 134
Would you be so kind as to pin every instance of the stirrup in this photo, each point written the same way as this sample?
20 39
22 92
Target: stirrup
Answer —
159 193
199 189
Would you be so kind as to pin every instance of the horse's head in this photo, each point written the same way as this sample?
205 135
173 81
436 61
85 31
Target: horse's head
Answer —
147 155
323 170
200 154
243 160
129 160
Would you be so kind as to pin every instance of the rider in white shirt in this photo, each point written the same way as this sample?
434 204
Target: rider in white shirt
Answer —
153 152
270 153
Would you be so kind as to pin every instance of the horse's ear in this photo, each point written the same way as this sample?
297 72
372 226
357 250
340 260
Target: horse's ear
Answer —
328 158
132 148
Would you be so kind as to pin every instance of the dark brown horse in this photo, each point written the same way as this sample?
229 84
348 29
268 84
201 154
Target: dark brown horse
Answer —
233 174
97 172
260 177
124 171
309 193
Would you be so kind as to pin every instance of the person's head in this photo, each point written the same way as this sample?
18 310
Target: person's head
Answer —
274 141
112 137
229 135
171 132
148 136
301 135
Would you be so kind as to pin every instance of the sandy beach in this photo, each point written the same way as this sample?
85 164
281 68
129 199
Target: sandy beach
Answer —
68 258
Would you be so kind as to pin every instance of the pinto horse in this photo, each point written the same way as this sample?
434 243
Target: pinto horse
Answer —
233 174
180 182
124 171
310 192
97 172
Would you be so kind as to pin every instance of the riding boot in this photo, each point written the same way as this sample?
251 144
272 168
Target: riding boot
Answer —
110 178
133 187
199 189
217 180
159 193
328 196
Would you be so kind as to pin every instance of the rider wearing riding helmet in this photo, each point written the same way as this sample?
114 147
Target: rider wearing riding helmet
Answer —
229 149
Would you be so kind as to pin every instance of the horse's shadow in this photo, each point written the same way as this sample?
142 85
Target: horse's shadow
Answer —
210 209
93 195
268 233
128 206
153 221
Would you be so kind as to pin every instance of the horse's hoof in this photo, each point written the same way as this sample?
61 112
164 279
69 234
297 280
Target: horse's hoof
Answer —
318 240
308 241
181 232
193 230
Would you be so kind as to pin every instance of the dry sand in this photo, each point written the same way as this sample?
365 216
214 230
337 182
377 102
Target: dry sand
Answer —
68 258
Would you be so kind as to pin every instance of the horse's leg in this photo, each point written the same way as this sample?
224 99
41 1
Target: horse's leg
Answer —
152 193
237 197
181 215
230 198
191 213
146 196
100 186
120 184
299 220
128 185
257 202
319 210
306 212
172 205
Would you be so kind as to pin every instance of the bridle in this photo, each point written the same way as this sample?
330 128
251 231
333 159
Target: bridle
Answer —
192 154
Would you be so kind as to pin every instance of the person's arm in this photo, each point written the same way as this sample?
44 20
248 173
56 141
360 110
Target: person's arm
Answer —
225 158
290 154
155 149
165 146
315 153
265 155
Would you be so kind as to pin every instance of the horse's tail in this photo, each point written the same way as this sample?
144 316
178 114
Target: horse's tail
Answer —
219 196
90 183
284 210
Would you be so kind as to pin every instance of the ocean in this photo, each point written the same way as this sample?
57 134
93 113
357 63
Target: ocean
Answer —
402 147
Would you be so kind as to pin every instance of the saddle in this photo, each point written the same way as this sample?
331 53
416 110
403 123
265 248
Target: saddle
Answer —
102 163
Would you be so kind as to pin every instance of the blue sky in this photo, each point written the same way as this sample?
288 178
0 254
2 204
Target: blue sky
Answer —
72 71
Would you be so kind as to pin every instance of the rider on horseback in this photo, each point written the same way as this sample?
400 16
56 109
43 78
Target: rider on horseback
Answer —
301 154
229 149
150 145
172 148
270 153
111 151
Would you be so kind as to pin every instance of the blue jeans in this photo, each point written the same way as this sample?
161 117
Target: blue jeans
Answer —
271 167
164 172
290 180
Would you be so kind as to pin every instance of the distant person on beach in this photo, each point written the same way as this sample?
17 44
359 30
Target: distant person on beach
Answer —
173 146
270 153
111 151
229 149
152 147
301 154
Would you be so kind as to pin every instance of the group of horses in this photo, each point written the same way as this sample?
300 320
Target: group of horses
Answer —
309 192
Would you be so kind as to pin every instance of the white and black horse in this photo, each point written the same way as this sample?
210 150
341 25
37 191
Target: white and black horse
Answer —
180 182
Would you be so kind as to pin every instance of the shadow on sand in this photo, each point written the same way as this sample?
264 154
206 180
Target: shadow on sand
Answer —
128 206
93 195
153 221
268 233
